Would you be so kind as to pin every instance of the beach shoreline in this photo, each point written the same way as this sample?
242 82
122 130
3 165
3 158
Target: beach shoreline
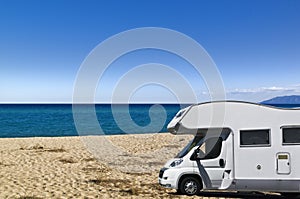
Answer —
64 167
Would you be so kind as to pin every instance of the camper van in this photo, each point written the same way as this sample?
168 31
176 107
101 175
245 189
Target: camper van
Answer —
237 146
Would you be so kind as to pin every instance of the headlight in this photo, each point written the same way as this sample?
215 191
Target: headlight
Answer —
175 163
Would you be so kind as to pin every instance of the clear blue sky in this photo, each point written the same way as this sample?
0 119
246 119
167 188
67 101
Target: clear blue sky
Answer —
255 44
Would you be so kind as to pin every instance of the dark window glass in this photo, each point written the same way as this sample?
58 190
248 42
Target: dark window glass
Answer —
291 135
210 149
213 148
254 137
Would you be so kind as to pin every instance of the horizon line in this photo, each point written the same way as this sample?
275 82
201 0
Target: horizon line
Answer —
3 103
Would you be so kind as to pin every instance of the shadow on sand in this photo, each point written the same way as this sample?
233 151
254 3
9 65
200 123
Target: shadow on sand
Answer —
244 195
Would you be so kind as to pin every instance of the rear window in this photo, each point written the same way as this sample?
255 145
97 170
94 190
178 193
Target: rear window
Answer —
255 137
291 135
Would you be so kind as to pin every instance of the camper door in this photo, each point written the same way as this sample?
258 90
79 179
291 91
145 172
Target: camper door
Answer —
211 159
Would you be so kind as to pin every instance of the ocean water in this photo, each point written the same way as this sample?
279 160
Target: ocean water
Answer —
44 120
35 120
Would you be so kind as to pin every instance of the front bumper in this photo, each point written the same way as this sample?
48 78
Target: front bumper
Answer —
166 180
166 183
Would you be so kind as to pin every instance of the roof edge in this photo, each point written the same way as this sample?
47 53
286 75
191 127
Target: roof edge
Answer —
245 102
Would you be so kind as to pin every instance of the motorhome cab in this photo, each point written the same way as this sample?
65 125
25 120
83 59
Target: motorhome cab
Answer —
237 146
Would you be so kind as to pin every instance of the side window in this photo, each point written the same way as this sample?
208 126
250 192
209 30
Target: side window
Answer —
255 137
291 136
211 148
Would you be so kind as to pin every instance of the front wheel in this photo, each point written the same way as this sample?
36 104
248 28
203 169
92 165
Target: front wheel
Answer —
190 186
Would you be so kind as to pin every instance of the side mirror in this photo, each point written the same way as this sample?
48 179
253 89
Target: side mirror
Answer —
195 155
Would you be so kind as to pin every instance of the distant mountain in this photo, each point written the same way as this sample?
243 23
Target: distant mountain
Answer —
292 99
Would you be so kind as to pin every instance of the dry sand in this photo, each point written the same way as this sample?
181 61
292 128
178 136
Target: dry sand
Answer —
71 167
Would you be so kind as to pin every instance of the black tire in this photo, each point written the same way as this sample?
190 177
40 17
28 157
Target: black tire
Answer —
190 186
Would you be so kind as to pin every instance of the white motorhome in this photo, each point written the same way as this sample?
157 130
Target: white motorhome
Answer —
237 146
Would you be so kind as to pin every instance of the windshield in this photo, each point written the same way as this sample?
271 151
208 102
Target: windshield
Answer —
189 146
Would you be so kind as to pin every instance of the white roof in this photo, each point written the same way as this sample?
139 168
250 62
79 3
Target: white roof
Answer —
236 115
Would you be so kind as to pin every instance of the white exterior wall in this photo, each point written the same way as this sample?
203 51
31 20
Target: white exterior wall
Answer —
246 116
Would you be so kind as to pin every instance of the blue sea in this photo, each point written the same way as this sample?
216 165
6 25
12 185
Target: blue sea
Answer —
44 120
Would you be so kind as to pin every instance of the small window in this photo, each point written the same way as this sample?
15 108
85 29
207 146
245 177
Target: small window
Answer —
255 137
291 135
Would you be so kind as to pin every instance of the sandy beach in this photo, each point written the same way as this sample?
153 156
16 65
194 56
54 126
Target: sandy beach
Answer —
67 167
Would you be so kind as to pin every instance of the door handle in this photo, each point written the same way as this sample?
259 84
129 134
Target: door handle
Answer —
222 163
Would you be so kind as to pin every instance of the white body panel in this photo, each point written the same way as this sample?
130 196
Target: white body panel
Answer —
267 168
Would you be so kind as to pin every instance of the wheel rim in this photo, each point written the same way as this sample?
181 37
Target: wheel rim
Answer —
190 187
